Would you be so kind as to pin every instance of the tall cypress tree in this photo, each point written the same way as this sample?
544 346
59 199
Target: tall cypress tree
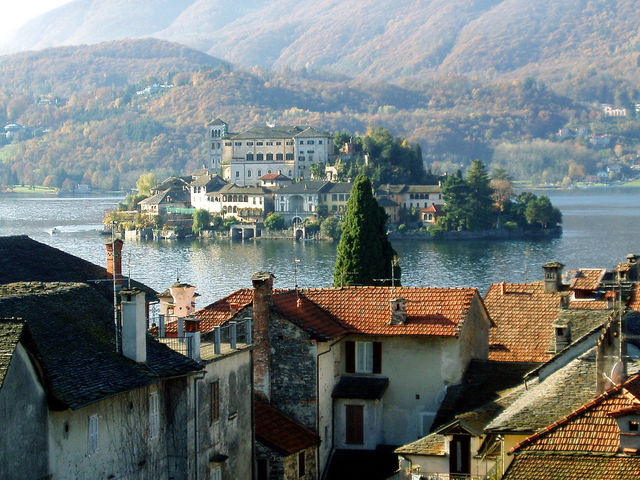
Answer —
365 254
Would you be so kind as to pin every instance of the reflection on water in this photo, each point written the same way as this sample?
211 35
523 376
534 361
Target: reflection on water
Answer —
600 228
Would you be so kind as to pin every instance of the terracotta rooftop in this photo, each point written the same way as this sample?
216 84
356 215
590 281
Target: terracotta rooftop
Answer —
634 299
589 428
331 312
588 279
366 310
524 316
584 444
571 467
278 431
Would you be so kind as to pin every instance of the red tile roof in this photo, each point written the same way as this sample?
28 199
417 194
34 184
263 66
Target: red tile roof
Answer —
366 310
331 312
634 299
591 427
276 430
524 317
585 444
588 279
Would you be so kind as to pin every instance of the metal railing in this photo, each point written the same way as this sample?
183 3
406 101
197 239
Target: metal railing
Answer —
418 475
183 335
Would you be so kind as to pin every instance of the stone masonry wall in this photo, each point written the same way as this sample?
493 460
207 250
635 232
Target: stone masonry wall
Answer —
293 371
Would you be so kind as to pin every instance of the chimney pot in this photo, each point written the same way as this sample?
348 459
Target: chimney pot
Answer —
134 331
503 288
262 292
398 308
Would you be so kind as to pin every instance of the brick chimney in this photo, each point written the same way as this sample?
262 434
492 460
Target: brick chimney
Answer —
398 308
134 328
114 261
552 276
262 292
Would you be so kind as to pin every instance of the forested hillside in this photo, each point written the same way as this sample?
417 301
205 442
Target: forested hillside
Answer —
492 40
85 122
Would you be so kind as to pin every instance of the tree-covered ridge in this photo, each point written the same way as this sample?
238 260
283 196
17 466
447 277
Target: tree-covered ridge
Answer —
491 39
85 123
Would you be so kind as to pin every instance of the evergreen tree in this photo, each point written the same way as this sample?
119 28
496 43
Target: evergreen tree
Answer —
480 202
365 255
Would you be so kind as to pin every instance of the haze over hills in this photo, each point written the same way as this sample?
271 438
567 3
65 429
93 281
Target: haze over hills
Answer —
373 39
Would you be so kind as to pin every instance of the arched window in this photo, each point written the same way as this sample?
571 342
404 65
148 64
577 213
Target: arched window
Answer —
248 173
269 157
259 157
249 157
259 173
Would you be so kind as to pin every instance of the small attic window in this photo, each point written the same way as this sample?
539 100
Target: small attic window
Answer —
560 331
633 425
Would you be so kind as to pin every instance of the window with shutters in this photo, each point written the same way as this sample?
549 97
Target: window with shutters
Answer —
93 434
363 357
154 415
215 401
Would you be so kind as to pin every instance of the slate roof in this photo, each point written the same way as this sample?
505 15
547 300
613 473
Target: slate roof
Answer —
71 337
483 382
588 279
366 388
431 445
386 202
23 259
584 444
209 181
311 132
217 121
339 187
277 431
304 187
250 190
168 196
570 432
262 132
538 405
10 332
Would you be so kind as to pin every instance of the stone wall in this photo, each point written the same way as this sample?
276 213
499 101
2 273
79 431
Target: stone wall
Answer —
275 463
291 465
293 371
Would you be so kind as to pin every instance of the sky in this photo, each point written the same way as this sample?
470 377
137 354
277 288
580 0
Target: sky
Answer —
16 12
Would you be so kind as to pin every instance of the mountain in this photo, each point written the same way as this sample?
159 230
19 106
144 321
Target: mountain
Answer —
373 39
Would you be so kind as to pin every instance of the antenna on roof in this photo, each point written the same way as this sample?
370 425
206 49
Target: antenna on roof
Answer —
115 297
394 263
295 272
129 274
177 275
524 268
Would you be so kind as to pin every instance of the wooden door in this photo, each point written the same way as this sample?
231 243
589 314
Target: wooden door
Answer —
355 424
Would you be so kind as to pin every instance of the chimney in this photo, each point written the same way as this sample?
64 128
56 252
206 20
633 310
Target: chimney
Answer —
262 291
552 277
114 259
565 300
134 329
398 311
503 288
634 267
563 336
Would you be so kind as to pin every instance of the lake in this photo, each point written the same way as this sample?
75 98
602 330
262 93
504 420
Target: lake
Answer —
601 226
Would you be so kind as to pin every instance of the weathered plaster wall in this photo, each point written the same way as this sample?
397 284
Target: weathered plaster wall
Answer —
231 434
418 370
426 464
373 423
328 375
23 416
125 447
474 338
293 371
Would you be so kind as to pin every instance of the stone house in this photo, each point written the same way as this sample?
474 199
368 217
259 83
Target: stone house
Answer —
86 410
340 361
